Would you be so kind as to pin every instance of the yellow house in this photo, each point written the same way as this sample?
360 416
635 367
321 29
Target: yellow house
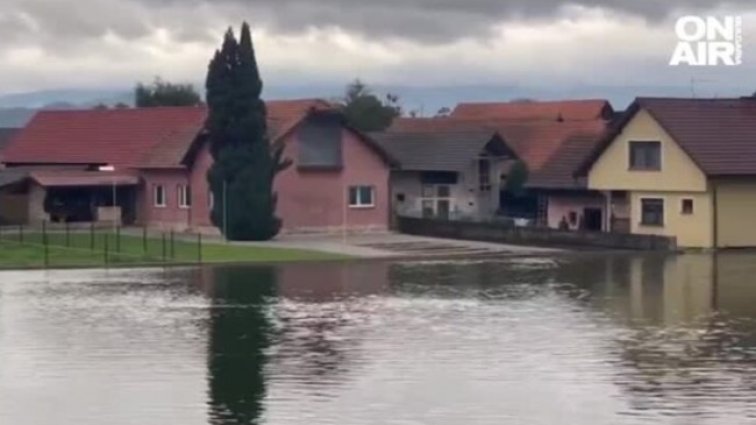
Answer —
681 167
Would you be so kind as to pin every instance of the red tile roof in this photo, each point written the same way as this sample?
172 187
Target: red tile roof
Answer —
568 110
719 135
553 150
133 138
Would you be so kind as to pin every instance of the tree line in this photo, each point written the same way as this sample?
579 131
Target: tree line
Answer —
363 109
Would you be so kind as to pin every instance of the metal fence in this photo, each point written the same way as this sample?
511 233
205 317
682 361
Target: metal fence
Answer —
59 245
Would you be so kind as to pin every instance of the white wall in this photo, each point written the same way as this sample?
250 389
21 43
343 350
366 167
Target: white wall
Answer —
467 201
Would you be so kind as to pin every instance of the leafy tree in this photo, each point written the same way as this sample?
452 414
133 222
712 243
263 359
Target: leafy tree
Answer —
367 112
163 93
245 163
517 178
443 112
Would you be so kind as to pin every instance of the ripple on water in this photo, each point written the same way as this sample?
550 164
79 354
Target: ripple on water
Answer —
621 340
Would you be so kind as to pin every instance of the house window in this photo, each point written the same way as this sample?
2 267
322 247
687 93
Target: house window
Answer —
484 174
159 196
184 196
645 156
652 212
687 207
361 197
436 201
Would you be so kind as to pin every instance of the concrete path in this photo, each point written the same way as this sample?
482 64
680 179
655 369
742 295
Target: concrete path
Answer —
394 245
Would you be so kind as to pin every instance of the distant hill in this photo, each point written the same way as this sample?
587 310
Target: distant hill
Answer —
15 117
65 98
18 108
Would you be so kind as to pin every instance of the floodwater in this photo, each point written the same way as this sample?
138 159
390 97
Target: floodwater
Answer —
576 340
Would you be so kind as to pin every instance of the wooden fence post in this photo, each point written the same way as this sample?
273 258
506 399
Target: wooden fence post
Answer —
68 234
91 237
20 233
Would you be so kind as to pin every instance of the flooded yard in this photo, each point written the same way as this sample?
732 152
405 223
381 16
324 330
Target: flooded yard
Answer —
604 339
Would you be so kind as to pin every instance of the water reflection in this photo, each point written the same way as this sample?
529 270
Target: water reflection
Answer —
238 336
577 339
689 348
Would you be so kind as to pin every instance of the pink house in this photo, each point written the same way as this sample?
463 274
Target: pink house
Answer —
339 177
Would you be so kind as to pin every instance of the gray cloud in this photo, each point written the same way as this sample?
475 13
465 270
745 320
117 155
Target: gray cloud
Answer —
427 21
434 20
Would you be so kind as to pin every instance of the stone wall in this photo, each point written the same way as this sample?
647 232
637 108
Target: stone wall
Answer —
506 233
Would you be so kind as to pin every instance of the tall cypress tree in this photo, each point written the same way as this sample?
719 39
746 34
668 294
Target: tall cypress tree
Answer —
245 163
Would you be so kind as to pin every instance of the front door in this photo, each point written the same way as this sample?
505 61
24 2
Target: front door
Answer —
592 219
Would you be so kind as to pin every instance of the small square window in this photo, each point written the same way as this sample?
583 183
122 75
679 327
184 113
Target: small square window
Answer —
687 207
361 197
652 212
400 197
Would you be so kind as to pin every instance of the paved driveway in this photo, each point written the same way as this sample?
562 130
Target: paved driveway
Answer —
394 245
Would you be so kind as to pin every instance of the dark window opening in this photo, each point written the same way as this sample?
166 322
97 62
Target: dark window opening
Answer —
438 177
652 212
645 156
687 206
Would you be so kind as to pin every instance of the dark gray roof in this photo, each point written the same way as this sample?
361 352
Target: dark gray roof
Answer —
437 151
13 175
5 136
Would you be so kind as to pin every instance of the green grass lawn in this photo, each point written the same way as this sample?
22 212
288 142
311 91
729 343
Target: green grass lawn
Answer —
81 249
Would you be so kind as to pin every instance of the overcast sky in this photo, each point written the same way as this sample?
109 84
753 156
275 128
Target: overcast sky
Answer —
52 44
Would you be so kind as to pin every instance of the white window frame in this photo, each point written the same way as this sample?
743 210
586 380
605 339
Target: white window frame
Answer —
435 198
360 204
183 195
159 203
210 199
